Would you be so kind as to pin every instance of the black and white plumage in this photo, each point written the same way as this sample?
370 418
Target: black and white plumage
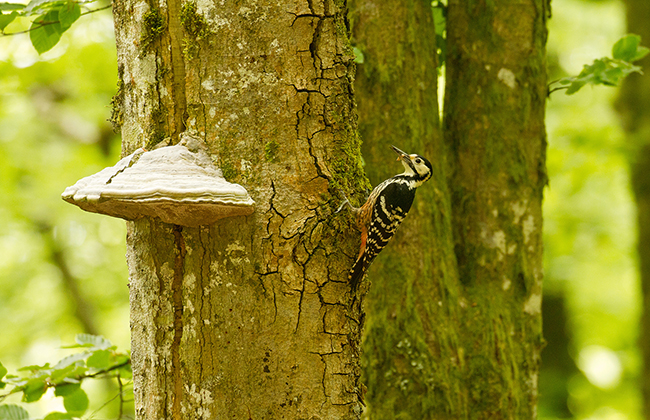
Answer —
385 209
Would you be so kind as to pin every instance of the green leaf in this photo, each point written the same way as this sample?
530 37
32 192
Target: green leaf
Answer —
640 53
6 19
65 390
125 372
3 372
76 403
34 389
574 87
625 48
61 375
46 31
611 76
68 14
58 416
11 6
71 360
358 55
34 368
89 340
35 5
100 359
13 412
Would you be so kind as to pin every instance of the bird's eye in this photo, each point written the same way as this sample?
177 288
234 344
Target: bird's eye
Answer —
418 161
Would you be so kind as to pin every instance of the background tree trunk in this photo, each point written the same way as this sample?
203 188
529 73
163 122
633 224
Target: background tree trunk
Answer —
410 346
454 312
249 317
633 105
494 129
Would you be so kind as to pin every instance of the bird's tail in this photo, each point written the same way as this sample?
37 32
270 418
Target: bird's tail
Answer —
358 270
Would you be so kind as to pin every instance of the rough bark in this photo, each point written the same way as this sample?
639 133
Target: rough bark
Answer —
249 317
633 105
410 344
494 130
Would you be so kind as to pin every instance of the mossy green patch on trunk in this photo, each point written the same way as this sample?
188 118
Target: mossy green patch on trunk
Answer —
154 26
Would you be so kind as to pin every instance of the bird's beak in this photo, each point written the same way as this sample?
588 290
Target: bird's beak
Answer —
400 153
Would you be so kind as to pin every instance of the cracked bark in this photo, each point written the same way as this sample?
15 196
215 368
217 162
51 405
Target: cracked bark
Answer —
249 317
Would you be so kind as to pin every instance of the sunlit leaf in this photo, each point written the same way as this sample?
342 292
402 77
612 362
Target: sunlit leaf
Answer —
35 5
625 48
3 372
358 55
126 372
45 31
13 412
6 19
100 359
70 360
65 390
58 416
76 403
34 389
68 14
640 53
11 6
89 340
574 87
34 368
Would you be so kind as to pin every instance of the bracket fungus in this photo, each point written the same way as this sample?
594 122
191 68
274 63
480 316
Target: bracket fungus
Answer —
177 184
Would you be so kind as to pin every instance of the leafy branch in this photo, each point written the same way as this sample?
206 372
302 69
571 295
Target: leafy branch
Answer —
99 359
606 71
53 18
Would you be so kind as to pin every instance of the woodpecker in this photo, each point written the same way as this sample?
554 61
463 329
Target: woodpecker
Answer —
385 209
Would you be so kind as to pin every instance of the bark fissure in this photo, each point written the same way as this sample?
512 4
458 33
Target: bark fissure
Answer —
177 299
270 95
178 68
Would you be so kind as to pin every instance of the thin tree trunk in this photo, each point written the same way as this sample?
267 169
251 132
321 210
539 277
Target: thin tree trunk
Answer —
633 105
494 128
410 346
249 317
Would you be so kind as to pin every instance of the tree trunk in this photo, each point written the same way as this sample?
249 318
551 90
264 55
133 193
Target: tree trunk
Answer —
633 105
454 311
410 345
494 130
249 317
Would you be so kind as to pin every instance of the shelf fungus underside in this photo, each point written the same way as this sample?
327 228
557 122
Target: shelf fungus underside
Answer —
172 183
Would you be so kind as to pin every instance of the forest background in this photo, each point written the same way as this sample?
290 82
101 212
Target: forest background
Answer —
63 272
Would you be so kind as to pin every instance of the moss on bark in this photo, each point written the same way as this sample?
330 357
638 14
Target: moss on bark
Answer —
249 317
494 130
454 325
410 351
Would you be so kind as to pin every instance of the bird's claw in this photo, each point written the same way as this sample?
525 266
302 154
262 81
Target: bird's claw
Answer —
345 201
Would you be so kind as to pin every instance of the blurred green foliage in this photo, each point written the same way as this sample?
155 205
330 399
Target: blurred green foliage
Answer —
47 19
605 70
589 232
98 359
62 271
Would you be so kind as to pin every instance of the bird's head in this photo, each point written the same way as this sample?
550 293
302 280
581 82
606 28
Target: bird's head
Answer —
414 165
